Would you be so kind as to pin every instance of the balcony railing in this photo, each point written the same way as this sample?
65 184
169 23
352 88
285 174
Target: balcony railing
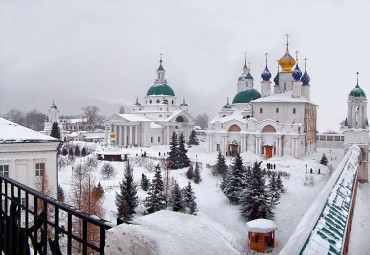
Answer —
32 223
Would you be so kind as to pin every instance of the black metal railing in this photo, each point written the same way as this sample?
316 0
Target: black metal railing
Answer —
32 223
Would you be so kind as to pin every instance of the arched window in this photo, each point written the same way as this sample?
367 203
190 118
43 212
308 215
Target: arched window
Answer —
172 101
150 101
268 129
179 119
158 101
234 128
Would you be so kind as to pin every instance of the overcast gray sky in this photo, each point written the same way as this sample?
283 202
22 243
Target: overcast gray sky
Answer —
106 52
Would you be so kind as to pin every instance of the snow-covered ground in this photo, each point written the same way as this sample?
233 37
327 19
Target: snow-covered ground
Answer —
214 208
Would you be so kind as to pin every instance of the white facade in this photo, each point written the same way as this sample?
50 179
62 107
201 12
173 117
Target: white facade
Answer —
282 122
24 153
153 122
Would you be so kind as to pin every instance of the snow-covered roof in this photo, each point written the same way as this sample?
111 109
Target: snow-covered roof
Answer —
73 121
154 125
284 96
170 233
13 133
261 226
134 117
95 135
236 115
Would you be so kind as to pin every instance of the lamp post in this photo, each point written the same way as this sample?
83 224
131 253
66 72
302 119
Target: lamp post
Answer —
306 168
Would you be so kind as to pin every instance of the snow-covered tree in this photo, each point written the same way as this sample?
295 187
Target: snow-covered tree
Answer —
126 199
55 131
64 151
83 152
221 166
60 194
193 140
197 178
77 151
156 199
255 198
279 184
176 198
144 182
273 191
189 199
98 191
174 152
234 183
183 160
107 170
324 160
190 172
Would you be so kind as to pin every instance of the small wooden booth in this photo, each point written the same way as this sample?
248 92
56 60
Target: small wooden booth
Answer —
261 234
112 155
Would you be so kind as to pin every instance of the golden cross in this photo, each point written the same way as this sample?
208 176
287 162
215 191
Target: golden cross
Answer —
296 55
249 65
287 35
266 57
305 63
160 57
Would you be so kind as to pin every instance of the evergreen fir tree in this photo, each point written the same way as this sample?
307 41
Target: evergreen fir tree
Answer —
234 182
176 198
279 184
183 160
64 151
174 152
77 151
255 200
156 199
144 182
55 131
71 152
274 192
60 194
126 199
98 191
83 152
197 178
190 172
189 199
324 160
221 166
193 140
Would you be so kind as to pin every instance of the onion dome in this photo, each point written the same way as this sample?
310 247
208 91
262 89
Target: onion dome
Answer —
357 91
297 73
245 96
287 62
160 86
266 74
183 102
53 106
276 79
227 105
137 102
305 79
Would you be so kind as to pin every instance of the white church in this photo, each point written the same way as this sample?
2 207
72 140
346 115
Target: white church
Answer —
152 122
281 120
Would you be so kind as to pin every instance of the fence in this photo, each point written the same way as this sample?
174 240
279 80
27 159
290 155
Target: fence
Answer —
32 223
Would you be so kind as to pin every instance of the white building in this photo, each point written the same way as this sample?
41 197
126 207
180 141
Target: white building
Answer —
53 117
25 154
281 120
153 122
356 129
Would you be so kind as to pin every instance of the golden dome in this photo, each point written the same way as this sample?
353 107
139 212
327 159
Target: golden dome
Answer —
287 62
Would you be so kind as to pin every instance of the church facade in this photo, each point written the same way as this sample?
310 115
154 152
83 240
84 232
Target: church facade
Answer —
153 122
280 120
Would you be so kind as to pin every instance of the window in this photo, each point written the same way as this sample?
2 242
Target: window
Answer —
172 102
4 170
294 110
159 139
218 147
23 202
150 101
261 110
151 139
158 101
160 109
277 110
40 168
160 115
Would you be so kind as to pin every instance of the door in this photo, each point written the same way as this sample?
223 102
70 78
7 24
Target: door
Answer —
268 151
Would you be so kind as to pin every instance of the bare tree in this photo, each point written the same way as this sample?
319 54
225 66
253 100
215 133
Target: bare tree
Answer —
107 171
202 120
35 120
16 116
90 112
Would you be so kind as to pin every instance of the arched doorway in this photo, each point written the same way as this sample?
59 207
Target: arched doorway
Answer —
233 148
269 149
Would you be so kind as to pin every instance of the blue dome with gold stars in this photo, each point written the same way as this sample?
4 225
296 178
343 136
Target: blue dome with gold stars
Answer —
266 74
276 79
305 79
297 73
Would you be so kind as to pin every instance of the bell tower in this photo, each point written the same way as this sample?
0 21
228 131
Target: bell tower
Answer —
356 128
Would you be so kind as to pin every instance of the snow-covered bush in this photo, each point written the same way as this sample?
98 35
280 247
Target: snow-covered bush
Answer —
308 180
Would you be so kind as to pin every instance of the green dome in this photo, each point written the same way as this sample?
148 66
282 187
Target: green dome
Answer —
160 89
246 96
357 92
